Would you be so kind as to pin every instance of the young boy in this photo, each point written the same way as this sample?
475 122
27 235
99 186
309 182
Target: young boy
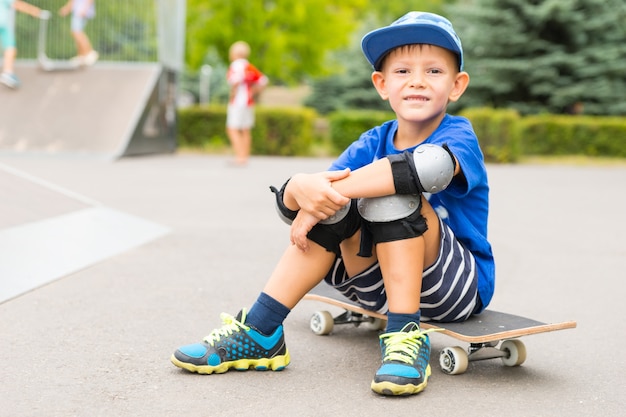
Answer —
245 82
398 224
7 36
82 11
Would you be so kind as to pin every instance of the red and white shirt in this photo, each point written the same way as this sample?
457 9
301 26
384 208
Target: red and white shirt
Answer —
242 76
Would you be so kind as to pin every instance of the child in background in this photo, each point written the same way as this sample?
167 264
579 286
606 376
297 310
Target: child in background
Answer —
7 36
82 11
245 81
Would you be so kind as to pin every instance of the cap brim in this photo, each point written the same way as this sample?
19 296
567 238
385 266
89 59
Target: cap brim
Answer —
378 43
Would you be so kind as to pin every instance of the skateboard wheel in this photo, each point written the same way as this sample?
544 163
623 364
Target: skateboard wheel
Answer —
453 360
516 352
379 324
322 323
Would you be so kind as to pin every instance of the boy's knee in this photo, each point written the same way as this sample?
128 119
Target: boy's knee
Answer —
394 217
414 225
330 235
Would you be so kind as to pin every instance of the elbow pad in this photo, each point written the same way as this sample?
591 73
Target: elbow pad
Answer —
287 215
284 212
429 168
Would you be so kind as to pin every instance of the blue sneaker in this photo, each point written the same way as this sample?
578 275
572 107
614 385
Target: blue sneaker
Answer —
405 368
234 345
10 80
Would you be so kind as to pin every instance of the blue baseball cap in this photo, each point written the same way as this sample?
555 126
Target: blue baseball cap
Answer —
412 28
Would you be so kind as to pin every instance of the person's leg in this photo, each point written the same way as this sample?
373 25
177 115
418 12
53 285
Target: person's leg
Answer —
85 54
403 261
8 76
297 273
236 125
405 348
9 60
255 339
246 145
234 139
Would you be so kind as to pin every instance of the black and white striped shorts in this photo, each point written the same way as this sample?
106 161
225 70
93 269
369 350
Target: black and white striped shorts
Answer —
449 286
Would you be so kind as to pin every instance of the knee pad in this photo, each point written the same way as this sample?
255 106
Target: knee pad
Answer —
389 208
328 233
394 217
429 168
414 225
288 215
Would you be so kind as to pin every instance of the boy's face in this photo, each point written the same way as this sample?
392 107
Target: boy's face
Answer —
419 81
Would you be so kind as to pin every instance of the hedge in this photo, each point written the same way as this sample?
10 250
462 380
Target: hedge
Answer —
504 135
573 135
347 126
497 132
277 131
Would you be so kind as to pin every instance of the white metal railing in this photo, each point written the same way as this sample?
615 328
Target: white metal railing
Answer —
122 30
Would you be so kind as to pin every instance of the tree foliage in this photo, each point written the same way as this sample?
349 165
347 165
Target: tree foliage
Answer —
350 87
289 39
545 55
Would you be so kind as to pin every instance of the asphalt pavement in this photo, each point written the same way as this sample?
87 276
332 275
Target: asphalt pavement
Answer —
97 341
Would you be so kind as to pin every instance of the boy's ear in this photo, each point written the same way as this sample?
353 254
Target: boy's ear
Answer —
460 85
378 80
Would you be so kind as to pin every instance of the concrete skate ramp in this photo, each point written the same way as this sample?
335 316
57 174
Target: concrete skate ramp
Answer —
109 110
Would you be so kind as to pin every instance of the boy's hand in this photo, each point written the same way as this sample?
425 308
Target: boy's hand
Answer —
314 194
301 226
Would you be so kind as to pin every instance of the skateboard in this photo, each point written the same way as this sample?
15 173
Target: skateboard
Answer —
490 335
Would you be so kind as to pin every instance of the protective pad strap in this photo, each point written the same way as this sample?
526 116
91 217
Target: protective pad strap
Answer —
429 168
284 212
404 173
329 236
412 226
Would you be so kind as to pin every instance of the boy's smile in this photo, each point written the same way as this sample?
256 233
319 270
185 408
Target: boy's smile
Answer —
419 81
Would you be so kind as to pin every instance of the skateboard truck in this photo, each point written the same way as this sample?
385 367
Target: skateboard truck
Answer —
455 360
322 322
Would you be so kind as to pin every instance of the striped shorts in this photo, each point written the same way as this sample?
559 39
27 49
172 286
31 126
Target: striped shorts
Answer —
449 286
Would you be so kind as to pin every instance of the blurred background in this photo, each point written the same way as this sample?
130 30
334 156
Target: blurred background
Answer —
527 60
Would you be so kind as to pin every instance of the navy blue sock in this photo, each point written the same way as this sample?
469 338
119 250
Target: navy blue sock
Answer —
266 314
396 321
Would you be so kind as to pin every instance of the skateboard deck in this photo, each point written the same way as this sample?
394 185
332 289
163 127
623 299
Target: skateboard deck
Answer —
484 332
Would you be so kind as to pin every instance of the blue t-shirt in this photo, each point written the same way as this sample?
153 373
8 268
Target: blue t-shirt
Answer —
464 205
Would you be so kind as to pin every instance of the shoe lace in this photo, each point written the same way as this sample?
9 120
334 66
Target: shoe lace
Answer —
230 325
403 346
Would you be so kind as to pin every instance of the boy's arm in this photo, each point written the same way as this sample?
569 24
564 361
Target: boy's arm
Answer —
313 193
374 180
320 194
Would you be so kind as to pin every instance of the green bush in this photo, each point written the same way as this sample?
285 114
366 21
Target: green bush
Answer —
347 126
283 131
277 131
573 135
201 125
504 135
497 132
